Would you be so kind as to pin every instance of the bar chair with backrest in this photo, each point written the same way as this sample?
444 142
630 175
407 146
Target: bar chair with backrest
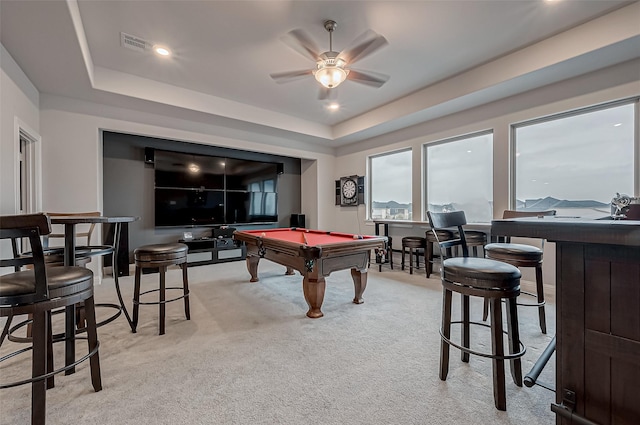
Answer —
488 279
36 290
54 255
521 255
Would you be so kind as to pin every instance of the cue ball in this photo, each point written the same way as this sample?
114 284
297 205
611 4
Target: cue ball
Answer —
263 234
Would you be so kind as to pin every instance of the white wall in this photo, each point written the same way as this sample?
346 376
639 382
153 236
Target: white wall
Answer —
73 152
19 101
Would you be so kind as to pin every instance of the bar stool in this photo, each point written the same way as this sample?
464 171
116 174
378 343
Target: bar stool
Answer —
488 279
413 243
521 255
160 256
37 291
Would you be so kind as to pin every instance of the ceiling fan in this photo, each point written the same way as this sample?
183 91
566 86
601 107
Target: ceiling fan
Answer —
332 68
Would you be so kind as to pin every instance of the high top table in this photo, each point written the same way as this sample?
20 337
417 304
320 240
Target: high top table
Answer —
70 222
598 315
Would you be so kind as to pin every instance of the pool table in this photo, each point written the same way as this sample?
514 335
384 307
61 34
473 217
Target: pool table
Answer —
315 254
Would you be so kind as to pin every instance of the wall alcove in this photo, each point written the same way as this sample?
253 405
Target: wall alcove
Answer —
129 184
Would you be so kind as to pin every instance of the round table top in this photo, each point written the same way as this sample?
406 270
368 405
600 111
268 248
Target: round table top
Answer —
79 219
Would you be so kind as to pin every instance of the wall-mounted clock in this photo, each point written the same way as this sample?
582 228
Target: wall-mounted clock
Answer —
349 191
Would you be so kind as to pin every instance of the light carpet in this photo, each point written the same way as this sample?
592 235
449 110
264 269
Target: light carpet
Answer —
249 355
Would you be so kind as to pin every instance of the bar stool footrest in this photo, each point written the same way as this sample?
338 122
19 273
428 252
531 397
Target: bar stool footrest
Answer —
512 356
161 302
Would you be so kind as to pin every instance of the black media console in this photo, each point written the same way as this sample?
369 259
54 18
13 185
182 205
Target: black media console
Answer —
214 250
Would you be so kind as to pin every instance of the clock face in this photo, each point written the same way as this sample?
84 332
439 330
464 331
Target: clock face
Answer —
349 189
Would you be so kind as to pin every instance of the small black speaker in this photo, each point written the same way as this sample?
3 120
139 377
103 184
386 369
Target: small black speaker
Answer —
149 156
361 190
280 168
297 220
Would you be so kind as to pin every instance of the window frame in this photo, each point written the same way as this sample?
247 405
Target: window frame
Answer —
568 114
425 161
369 191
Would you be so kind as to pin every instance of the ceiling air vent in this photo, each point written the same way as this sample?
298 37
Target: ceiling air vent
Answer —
134 43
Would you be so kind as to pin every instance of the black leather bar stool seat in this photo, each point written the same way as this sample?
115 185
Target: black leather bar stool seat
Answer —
443 235
414 244
492 281
160 256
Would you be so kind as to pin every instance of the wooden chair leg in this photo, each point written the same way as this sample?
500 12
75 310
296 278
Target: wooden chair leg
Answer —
185 284
162 304
70 337
428 258
540 293
485 310
136 300
499 390
410 260
514 340
92 342
446 332
39 331
50 380
464 356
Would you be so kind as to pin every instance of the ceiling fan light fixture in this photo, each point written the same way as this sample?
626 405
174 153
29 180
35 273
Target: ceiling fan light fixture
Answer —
330 71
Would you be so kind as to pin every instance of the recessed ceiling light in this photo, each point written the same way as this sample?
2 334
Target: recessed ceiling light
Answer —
161 50
333 106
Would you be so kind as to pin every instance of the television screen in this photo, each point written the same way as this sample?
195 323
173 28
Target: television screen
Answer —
251 207
186 207
200 190
174 169
242 174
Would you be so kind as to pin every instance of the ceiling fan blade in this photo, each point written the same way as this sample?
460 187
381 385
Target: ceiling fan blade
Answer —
374 79
364 45
285 77
327 94
300 41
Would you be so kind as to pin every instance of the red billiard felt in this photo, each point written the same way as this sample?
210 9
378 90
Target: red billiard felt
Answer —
312 237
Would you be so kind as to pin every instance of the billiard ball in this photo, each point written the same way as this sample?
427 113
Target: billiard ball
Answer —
263 234
357 237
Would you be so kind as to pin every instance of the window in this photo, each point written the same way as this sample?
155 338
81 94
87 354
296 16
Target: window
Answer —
390 186
459 176
575 163
262 200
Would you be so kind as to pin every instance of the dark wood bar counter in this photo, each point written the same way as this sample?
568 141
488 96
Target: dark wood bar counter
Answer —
598 315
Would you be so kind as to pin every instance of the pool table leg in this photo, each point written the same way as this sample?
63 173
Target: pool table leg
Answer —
359 284
313 289
252 266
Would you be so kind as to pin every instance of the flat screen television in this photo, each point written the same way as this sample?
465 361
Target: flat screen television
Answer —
201 190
